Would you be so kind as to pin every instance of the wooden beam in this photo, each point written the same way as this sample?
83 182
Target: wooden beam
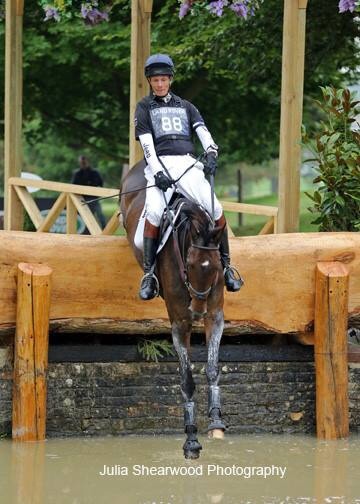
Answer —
268 228
291 114
53 214
71 216
65 188
231 206
31 352
140 50
113 224
86 214
29 205
13 211
331 320
96 281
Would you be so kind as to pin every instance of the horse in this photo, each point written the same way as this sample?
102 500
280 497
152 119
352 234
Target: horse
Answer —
191 283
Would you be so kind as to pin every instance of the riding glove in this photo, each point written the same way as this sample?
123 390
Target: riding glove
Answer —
162 181
211 163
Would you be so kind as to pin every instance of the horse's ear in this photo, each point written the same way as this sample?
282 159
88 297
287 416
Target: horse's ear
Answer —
216 234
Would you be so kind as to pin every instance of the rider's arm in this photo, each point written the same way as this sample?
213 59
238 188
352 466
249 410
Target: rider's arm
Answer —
147 144
204 135
143 133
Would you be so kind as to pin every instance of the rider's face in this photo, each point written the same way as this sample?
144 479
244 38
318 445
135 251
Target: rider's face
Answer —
160 84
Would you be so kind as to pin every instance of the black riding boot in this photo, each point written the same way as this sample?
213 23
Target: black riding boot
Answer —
233 280
149 287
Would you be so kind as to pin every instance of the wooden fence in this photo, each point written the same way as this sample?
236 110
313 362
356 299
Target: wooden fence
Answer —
71 199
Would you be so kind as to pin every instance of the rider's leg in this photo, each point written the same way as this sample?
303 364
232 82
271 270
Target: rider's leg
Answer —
233 282
149 287
154 206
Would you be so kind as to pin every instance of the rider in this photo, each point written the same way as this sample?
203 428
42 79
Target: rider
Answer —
164 124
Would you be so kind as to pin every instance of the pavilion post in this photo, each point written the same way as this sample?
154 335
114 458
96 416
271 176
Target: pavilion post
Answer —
140 50
291 114
13 216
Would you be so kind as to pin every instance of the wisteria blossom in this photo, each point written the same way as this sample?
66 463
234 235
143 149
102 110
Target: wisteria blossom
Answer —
240 9
347 5
92 15
51 13
217 7
184 8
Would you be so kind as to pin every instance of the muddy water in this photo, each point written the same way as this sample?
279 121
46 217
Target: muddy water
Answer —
137 470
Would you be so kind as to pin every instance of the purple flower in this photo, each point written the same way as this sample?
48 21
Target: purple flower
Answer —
240 9
92 15
217 7
185 6
51 13
347 5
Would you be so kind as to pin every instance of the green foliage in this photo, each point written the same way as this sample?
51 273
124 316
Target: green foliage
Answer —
336 151
152 350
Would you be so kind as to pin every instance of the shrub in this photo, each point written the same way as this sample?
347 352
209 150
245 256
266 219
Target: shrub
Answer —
336 150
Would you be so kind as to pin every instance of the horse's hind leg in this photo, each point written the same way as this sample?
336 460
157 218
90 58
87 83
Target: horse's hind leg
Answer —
214 325
181 340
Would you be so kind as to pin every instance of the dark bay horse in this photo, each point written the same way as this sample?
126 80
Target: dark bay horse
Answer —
197 292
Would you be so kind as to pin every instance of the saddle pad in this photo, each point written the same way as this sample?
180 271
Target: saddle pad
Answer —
139 234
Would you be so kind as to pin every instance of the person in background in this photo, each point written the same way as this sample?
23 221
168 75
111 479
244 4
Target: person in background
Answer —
88 176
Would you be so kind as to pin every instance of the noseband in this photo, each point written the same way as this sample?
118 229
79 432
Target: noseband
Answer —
200 295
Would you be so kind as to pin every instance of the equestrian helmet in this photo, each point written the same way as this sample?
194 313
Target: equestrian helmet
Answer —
159 64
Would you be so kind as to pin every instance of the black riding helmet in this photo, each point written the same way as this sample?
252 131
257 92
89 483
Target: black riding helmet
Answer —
159 64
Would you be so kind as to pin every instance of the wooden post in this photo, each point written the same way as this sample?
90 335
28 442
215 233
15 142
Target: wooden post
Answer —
240 195
13 211
140 50
31 352
291 114
331 316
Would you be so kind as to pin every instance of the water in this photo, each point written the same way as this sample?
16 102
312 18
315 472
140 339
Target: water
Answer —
68 471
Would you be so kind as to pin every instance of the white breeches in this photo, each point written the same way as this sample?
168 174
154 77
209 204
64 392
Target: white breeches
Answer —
193 185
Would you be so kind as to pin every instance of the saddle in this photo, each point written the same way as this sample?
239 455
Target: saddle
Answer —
166 224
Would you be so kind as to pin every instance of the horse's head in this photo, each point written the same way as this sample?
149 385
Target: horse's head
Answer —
203 264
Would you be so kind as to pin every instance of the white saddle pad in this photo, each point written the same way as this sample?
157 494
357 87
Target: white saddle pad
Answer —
139 234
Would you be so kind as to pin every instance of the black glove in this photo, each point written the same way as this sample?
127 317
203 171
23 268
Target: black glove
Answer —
211 163
162 181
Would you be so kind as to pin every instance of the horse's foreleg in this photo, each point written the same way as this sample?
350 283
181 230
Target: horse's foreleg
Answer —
214 325
181 339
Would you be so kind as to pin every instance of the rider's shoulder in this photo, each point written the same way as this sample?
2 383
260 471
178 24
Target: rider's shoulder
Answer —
144 102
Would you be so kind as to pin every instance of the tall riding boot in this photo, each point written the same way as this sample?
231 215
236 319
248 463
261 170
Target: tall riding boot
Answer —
233 280
149 287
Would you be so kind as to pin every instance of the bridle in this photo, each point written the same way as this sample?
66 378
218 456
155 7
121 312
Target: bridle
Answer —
200 295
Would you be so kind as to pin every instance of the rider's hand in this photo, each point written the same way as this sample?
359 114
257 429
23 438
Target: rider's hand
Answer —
162 181
211 163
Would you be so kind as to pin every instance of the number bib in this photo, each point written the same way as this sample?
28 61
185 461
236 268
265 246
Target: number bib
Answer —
170 121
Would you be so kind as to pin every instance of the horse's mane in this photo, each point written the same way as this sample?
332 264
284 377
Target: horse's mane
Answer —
199 218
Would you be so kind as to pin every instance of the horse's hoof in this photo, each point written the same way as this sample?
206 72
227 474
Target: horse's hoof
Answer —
216 434
192 454
192 449
216 424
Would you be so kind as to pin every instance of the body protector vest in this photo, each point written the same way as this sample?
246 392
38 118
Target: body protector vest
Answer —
171 121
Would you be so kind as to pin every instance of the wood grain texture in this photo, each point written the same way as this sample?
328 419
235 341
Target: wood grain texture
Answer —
31 352
331 315
96 280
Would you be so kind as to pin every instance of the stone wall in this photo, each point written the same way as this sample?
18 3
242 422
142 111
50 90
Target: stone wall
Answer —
140 397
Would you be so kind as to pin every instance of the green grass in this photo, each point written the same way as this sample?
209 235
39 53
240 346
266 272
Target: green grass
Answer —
251 223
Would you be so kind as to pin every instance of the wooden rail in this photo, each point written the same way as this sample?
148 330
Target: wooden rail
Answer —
70 198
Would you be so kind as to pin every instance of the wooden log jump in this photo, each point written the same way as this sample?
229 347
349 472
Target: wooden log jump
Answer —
31 352
291 280
331 313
